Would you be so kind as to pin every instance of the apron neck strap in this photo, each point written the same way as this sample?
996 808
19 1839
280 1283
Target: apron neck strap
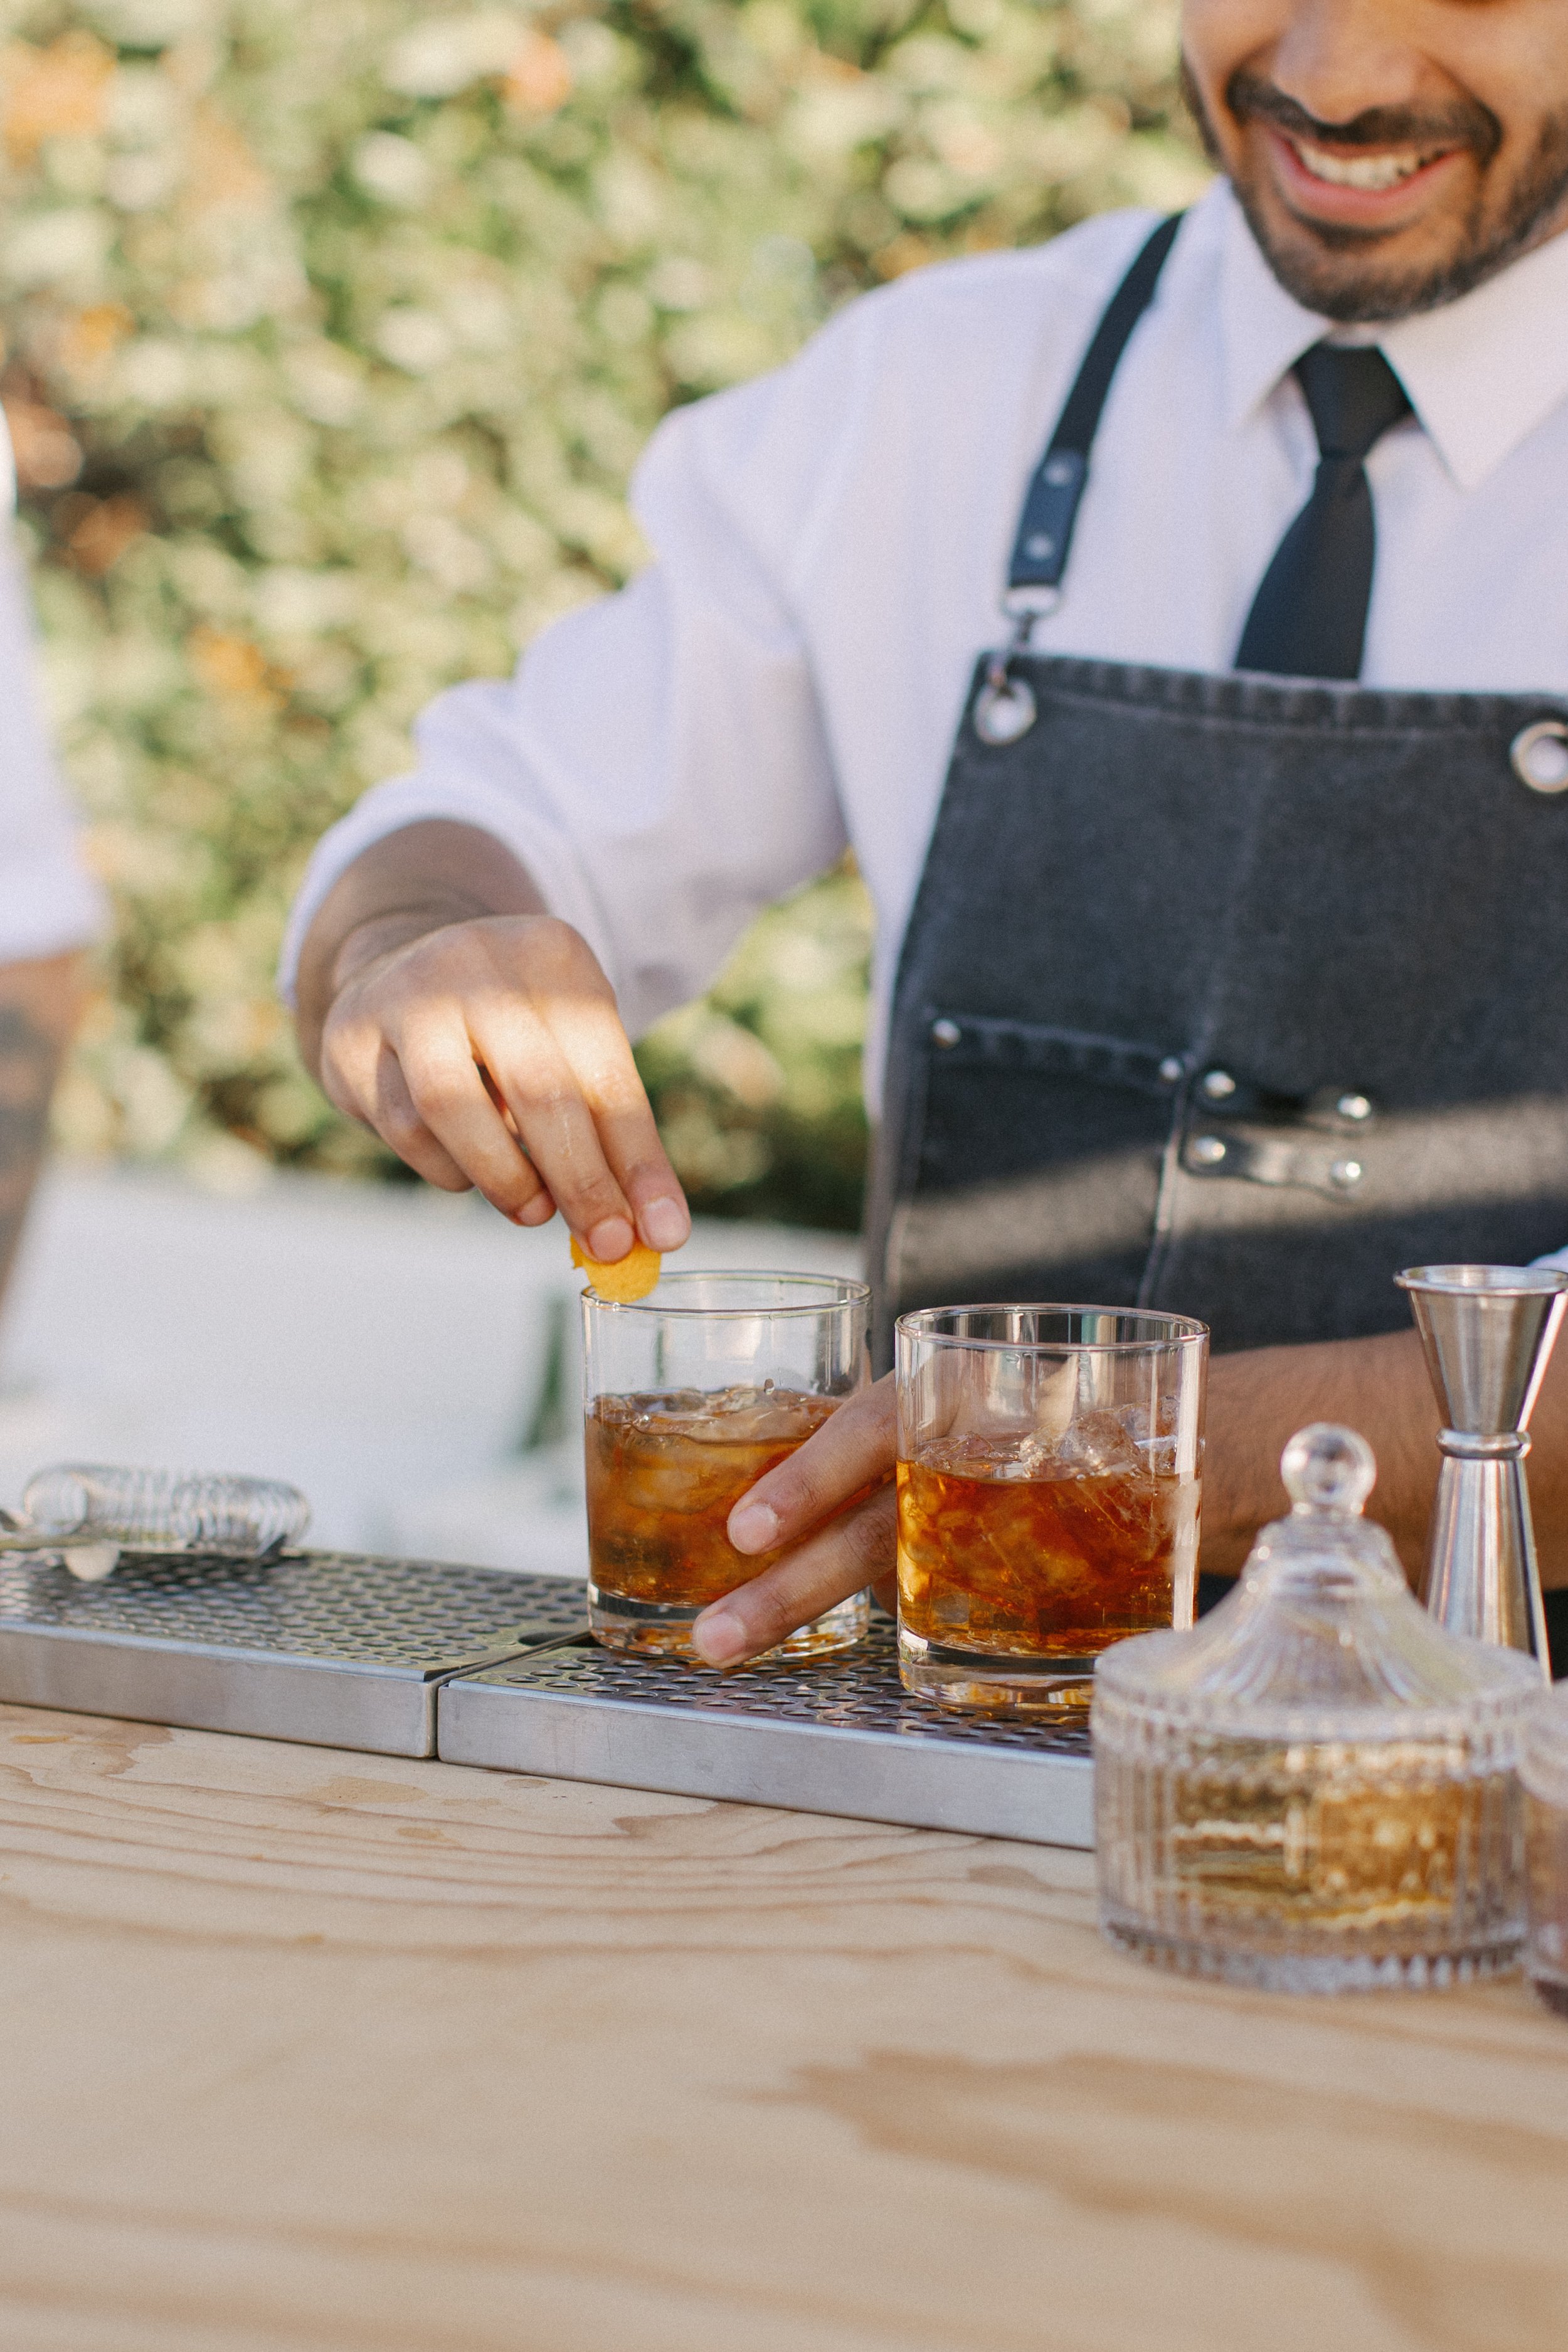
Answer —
1050 509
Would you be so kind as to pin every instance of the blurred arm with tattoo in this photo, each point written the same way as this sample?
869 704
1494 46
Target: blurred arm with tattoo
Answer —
38 1004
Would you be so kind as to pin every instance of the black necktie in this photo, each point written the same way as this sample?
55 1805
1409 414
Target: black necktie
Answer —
1308 617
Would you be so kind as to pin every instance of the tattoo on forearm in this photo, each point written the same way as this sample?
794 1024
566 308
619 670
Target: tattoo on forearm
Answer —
30 1061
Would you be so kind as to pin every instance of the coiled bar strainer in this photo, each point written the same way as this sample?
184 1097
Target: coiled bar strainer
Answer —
89 1511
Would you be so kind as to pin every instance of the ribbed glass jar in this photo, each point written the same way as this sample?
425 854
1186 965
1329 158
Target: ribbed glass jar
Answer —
1543 1768
1315 1789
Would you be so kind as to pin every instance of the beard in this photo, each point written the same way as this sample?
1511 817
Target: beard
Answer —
1334 269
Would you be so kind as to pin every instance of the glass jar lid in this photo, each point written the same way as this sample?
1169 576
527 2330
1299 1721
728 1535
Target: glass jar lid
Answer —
1322 1639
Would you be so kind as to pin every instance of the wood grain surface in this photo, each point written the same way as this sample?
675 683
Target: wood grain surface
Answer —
306 2051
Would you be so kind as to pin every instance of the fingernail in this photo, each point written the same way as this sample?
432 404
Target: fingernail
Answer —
664 1224
610 1240
719 1637
753 1527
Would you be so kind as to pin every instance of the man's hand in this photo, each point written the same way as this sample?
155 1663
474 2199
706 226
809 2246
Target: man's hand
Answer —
460 1046
803 1503
479 1037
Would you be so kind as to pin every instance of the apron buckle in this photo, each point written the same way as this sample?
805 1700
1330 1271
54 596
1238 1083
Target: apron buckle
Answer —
1005 708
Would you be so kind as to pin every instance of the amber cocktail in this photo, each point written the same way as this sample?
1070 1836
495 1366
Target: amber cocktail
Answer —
1048 1485
666 1462
663 1473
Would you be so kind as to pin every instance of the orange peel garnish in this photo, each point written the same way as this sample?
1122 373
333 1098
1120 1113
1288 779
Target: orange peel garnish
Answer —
623 1279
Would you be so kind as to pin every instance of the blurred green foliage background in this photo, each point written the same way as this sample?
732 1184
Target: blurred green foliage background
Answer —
331 334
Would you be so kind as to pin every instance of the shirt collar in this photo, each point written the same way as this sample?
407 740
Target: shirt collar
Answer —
1482 373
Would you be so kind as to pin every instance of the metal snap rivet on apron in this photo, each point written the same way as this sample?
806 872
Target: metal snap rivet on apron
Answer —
1059 471
1353 1107
1208 1150
1003 713
1040 545
945 1033
1346 1175
1171 1069
1218 1085
1539 755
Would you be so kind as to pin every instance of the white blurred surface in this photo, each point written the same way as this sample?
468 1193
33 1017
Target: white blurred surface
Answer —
384 1349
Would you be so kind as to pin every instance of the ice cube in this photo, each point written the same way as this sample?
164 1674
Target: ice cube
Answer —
1033 1458
1098 1444
764 1416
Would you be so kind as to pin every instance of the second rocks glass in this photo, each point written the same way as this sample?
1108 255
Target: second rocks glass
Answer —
1049 1464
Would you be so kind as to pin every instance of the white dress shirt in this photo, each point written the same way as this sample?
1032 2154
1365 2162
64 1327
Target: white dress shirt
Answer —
831 542
47 901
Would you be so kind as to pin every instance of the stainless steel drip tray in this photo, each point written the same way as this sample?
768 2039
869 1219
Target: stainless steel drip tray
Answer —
405 1657
337 1649
827 1736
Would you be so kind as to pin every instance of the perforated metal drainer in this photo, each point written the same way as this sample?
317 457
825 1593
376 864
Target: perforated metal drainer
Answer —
405 1657
836 1735
336 1648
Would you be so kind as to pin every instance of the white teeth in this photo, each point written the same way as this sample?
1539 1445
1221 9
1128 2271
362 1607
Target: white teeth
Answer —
1372 173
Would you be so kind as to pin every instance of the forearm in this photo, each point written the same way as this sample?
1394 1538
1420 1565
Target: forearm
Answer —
39 1002
414 881
1381 1387
1260 1398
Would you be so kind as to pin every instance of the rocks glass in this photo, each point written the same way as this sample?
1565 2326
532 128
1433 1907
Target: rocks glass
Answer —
690 1394
1049 1463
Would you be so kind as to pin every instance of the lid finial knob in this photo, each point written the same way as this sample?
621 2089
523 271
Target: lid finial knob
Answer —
1328 1468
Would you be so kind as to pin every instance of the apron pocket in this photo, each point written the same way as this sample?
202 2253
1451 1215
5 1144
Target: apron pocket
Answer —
1034 1165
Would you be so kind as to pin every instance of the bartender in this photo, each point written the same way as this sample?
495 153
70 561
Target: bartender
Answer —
1220 954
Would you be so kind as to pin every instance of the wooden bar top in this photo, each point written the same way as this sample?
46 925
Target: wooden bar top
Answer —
308 2052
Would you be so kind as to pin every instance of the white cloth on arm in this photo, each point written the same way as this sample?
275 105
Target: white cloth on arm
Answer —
831 542
48 902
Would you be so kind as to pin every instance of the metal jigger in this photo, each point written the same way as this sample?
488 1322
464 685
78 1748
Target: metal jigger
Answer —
1488 1333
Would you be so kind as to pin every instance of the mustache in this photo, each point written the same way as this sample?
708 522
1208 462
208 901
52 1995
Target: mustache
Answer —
1466 124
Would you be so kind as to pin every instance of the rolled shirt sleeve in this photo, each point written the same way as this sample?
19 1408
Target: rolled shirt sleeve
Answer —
658 761
49 902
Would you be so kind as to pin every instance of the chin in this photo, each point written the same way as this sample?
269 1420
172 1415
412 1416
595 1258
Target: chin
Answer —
1355 276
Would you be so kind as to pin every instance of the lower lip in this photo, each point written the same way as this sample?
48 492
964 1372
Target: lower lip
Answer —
1355 207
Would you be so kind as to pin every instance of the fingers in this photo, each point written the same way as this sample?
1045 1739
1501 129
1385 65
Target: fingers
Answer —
857 1549
830 1507
397 1122
593 1045
554 1123
519 1194
430 1103
624 1122
449 1099
855 1448
540 1208
491 1053
570 1082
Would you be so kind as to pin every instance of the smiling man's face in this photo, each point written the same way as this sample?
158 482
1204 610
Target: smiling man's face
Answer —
1388 153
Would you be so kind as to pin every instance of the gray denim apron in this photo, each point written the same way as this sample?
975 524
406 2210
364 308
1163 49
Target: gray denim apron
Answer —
1226 994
